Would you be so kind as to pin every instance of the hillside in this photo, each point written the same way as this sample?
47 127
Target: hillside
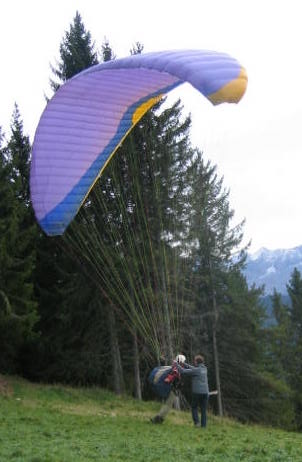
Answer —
273 268
43 423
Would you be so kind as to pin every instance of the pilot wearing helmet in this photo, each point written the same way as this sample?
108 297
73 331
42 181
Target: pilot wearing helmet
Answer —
173 379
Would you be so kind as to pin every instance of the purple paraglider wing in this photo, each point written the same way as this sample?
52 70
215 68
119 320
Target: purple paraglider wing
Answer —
88 117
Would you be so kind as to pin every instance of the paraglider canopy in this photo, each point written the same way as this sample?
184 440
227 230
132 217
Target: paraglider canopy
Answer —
88 117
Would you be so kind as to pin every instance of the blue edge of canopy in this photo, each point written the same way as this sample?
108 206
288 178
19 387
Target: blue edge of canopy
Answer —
56 221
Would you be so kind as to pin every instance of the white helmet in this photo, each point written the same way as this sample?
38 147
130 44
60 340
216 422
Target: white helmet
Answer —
180 359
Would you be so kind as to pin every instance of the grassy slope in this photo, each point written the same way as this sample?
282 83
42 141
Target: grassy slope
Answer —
41 423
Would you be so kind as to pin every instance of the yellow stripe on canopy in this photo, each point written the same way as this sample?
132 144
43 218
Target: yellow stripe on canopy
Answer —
143 108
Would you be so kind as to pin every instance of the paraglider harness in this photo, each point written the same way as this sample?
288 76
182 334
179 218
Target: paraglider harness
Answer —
163 379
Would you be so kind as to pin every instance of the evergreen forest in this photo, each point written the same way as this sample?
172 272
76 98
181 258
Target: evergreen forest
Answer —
151 266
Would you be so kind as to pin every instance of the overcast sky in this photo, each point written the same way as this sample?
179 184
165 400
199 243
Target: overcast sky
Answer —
256 144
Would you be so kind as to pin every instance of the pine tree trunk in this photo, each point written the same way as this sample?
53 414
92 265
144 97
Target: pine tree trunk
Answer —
167 327
169 342
215 349
137 379
117 370
217 370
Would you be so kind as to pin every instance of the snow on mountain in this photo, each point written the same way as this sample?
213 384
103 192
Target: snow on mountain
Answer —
273 268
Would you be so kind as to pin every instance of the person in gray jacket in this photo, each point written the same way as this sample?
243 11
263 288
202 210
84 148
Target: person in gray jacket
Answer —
200 388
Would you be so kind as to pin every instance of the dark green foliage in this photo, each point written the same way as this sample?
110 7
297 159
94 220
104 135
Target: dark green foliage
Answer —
250 392
11 333
17 253
128 206
284 345
279 338
226 315
240 348
56 270
107 52
18 151
294 289
137 49
74 343
76 53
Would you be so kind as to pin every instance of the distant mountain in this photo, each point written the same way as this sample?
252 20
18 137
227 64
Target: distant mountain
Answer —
273 268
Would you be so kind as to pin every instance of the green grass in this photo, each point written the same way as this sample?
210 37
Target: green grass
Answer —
43 423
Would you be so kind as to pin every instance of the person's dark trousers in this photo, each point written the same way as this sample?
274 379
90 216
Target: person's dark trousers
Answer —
200 401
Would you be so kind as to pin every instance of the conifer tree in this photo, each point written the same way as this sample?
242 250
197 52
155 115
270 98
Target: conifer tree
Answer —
294 289
228 315
241 349
54 268
157 147
76 53
62 289
128 206
279 338
278 408
107 52
17 254
19 151
212 241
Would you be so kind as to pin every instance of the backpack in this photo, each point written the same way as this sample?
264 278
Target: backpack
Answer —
157 381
